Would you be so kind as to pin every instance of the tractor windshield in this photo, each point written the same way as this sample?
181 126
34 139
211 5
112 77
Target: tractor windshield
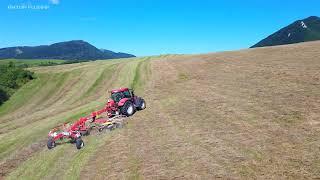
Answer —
127 94
117 96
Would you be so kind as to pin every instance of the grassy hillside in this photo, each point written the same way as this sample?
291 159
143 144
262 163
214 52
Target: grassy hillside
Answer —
29 62
59 94
245 114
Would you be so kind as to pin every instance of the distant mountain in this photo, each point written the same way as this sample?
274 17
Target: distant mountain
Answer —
70 50
300 31
117 55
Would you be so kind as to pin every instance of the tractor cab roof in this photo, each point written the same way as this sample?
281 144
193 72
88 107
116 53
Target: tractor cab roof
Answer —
119 90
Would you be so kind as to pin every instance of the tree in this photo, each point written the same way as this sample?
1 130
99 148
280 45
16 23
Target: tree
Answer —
12 77
3 96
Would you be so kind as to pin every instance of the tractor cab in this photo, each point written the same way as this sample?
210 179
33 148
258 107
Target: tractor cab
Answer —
118 94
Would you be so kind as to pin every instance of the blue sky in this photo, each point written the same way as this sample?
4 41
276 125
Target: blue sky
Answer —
150 27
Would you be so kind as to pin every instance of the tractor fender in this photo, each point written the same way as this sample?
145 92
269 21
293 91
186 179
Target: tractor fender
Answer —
123 101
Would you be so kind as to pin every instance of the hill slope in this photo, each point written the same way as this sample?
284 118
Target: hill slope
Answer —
245 114
70 50
300 31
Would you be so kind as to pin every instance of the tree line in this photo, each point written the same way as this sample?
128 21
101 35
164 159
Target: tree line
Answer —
12 77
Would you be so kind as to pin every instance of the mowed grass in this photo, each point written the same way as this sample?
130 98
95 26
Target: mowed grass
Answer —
251 114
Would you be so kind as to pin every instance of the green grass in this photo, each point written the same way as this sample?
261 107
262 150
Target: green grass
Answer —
24 136
107 72
39 166
142 72
24 94
30 62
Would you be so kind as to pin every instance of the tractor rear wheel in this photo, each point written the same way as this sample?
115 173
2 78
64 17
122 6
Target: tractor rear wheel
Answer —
79 143
128 109
51 144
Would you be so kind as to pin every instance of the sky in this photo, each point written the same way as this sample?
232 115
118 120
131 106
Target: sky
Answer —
149 27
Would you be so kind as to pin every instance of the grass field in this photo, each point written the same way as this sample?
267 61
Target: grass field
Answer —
30 62
250 114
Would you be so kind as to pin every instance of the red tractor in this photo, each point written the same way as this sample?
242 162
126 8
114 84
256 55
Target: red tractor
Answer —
124 102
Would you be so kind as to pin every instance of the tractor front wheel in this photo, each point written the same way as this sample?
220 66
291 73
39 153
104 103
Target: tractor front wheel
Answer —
128 109
142 104
79 143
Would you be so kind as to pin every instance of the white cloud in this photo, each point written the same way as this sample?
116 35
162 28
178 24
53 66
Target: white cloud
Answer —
54 1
